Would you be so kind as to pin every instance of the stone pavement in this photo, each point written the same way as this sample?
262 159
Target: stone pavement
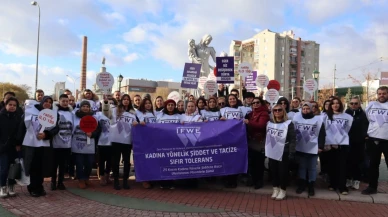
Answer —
209 200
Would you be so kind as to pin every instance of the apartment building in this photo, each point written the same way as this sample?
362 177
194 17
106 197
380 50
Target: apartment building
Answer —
281 57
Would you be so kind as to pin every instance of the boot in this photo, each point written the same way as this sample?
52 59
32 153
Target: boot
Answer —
275 193
282 195
301 186
311 189
116 184
125 184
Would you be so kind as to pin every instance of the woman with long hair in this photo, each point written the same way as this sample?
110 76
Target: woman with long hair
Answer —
256 126
168 115
159 102
9 123
310 140
337 126
315 108
146 113
190 115
181 107
201 105
123 118
279 148
326 106
212 112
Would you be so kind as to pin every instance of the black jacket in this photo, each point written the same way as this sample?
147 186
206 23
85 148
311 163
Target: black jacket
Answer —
9 122
359 129
19 110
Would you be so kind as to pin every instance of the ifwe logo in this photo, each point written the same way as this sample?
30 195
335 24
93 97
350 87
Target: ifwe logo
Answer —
187 134
378 115
233 114
273 136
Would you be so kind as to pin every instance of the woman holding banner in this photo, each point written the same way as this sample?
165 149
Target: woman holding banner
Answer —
145 113
123 118
256 126
310 140
159 102
37 150
201 105
231 111
190 115
83 152
168 115
279 148
337 126
212 112
181 107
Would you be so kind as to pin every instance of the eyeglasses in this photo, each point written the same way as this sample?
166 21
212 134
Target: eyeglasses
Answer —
277 110
255 103
353 103
221 103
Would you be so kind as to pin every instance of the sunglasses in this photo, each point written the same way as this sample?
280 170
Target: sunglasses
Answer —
222 103
277 110
255 103
353 103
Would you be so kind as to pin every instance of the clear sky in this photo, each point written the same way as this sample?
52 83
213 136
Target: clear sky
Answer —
148 38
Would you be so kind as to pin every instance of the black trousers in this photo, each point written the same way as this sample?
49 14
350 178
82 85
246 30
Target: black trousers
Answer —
375 151
324 162
355 159
104 159
256 165
36 170
338 164
118 150
279 172
59 160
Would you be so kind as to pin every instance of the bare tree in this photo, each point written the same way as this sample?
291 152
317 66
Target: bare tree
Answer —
369 77
324 94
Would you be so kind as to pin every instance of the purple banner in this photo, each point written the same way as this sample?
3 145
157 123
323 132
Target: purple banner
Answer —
190 76
250 81
225 70
176 151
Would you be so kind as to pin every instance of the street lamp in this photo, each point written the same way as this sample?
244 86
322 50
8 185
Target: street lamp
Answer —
316 77
120 79
75 91
34 3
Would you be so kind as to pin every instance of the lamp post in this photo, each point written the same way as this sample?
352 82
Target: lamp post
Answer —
292 87
316 77
120 79
75 91
34 3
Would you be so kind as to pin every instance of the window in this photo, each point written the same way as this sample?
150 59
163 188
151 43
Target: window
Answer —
265 56
251 55
282 65
283 57
282 72
265 40
282 48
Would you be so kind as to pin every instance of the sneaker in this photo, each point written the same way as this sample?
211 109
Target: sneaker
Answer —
275 193
3 192
282 195
344 192
349 183
356 185
11 190
369 191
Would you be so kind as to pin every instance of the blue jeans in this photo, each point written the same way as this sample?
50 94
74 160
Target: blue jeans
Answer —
4 168
308 162
84 163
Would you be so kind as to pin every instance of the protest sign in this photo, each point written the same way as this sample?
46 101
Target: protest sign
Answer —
190 76
250 81
47 118
225 70
245 69
174 95
262 81
201 82
272 95
104 81
210 87
88 124
195 150
310 86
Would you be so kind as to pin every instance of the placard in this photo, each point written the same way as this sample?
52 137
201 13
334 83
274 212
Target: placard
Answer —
262 81
272 95
210 87
225 70
310 86
190 76
250 81
174 95
47 118
105 81
201 82
88 124
245 69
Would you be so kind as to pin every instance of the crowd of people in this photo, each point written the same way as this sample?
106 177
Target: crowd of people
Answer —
292 135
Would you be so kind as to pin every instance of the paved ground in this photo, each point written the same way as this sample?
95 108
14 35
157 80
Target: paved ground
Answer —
206 201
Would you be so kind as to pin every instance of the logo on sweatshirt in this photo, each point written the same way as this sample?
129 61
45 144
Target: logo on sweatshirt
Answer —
188 134
378 115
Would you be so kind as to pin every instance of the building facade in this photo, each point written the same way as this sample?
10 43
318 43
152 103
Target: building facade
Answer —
59 89
281 57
